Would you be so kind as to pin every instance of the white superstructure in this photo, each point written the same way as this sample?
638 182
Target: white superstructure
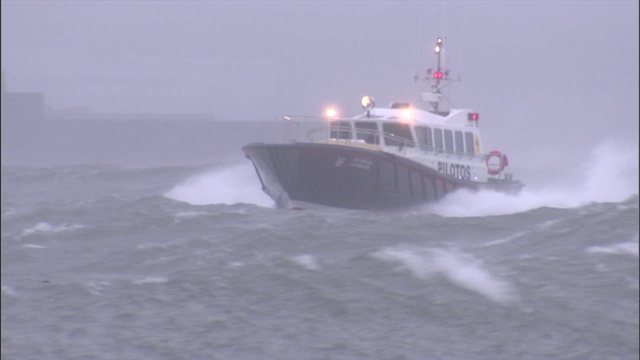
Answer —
447 141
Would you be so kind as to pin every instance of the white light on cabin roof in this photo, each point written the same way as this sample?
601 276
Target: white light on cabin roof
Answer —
367 102
331 112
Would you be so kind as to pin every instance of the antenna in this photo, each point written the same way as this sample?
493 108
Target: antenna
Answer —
437 75
439 78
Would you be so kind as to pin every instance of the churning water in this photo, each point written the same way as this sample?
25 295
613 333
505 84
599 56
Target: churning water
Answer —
103 262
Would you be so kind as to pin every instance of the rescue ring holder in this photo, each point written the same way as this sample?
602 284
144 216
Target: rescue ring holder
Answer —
492 167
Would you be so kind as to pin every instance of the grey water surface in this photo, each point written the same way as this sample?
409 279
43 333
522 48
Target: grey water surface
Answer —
103 262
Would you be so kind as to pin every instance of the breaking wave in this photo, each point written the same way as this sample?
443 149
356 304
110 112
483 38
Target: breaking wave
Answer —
610 174
46 228
623 248
457 268
228 185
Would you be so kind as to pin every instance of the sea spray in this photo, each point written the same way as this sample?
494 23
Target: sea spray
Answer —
609 174
460 269
148 274
226 185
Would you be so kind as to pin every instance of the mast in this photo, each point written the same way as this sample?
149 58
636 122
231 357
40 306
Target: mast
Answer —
437 77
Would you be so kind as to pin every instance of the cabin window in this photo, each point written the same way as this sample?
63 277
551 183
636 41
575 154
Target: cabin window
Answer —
448 141
437 139
397 134
468 141
368 131
425 140
340 130
459 142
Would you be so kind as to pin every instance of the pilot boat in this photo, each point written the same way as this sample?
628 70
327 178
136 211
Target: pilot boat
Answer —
384 158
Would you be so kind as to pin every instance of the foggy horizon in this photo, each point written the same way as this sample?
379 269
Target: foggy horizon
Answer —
134 227
539 73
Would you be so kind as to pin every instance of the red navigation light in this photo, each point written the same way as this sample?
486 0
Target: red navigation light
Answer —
437 75
473 116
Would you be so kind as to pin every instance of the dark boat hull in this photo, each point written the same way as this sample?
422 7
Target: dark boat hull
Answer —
350 177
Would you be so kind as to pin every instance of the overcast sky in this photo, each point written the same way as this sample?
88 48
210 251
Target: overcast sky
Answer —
532 69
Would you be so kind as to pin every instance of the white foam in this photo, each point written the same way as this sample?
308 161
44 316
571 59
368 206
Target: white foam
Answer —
506 239
235 264
624 248
9 212
8 290
609 174
417 263
46 228
152 246
150 280
189 214
33 246
229 185
459 269
308 262
97 287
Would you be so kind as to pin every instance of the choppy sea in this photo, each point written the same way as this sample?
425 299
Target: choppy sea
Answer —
105 262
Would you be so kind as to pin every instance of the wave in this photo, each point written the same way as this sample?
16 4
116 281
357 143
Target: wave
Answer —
610 174
46 228
623 248
228 185
308 262
459 269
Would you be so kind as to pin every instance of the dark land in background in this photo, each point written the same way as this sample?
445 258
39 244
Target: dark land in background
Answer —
34 135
